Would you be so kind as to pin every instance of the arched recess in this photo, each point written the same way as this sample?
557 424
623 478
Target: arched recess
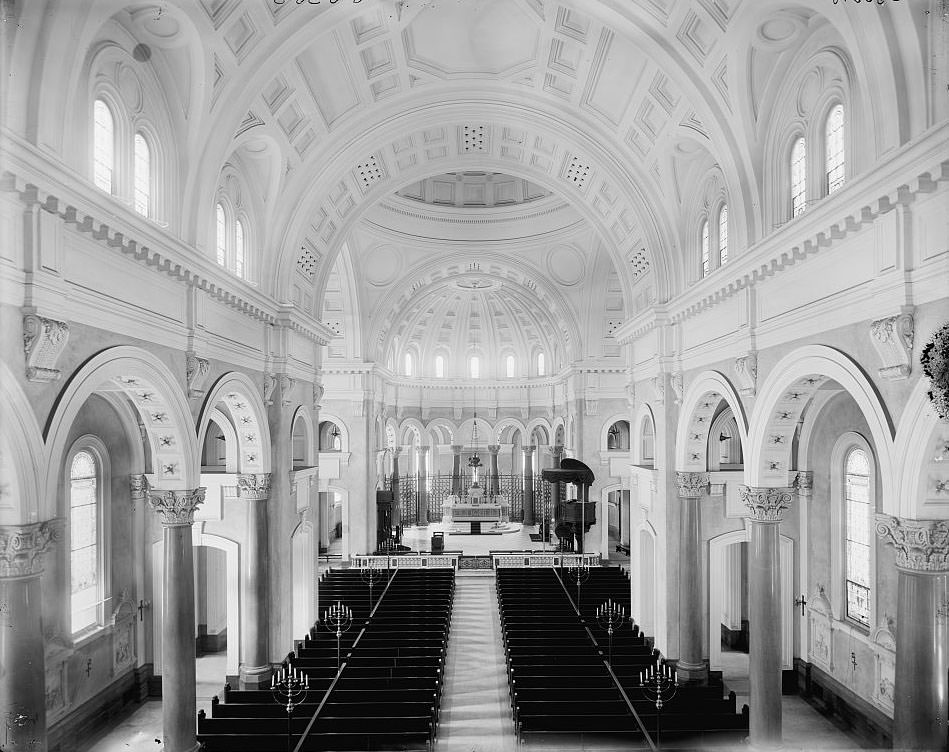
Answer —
302 438
539 428
645 588
345 517
323 442
441 430
603 515
699 405
787 391
22 455
235 395
605 432
505 429
229 434
921 455
411 431
231 551
716 584
643 413
303 573
157 397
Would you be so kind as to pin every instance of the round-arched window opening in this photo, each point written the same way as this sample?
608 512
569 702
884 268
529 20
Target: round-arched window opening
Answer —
617 436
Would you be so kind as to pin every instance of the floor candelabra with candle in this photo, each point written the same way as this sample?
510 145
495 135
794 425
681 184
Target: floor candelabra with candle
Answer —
338 618
610 616
659 684
289 687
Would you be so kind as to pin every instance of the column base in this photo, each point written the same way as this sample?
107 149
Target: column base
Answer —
692 673
255 677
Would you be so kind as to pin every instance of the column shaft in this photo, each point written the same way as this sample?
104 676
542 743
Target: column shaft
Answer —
528 485
179 701
494 484
764 634
396 490
255 666
22 680
691 665
456 470
423 486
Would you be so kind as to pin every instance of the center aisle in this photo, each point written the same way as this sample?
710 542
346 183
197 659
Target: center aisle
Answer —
475 712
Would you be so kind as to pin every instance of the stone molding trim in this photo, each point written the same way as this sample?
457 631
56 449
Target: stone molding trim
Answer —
270 384
43 341
677 380
746 372
196 371
765 504
893 339
286 386
691 485
659 384
921 545
254 486
175 508
22 546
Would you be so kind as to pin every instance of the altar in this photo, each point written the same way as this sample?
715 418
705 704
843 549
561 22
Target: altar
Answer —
474 511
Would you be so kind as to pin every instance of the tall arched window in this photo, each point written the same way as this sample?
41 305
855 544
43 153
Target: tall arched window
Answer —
509 366
647 442
857 535
85 489
798 178
439 366
407 364
705 251
221 235
834 148
239 248
541 365
143 175
474 367
103 146
723 235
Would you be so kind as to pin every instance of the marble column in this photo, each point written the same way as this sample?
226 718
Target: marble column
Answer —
255 633
22 653
691 487
494 484
528 484
920 695
456 469
765 507
175 510
423 485
396 489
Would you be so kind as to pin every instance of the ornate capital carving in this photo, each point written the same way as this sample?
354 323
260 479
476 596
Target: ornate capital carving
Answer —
528 450
691 485
254 486
678 385
317 393
921 545
270 384
44 341
803 482
138 485
893 339
423 449
746 371
659 384
196 370
765 504
175 508
456 448
286 386
22 547
631 394
494 448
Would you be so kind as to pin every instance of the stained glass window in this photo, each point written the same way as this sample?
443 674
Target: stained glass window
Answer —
798 178
834 148
705 241
143 171
723 235
858 536
84 539
103 146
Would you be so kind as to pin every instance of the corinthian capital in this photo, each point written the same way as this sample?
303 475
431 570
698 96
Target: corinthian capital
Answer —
691 485
921 545
44 341
22 547
254 486
175 508
765 504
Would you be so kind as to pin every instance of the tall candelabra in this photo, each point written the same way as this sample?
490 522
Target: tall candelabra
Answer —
371 575
659 684
289 688
338 618
579 573
610 616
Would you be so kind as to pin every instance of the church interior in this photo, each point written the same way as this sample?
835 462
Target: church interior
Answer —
462 374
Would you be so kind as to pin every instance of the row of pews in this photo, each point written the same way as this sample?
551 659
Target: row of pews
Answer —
564 691
386 692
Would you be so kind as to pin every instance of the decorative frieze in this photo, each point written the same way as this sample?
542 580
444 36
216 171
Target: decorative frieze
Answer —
765 504
746 372
893 339
921 545
44 341
253 486
691 485
22 547
175 508
196 370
